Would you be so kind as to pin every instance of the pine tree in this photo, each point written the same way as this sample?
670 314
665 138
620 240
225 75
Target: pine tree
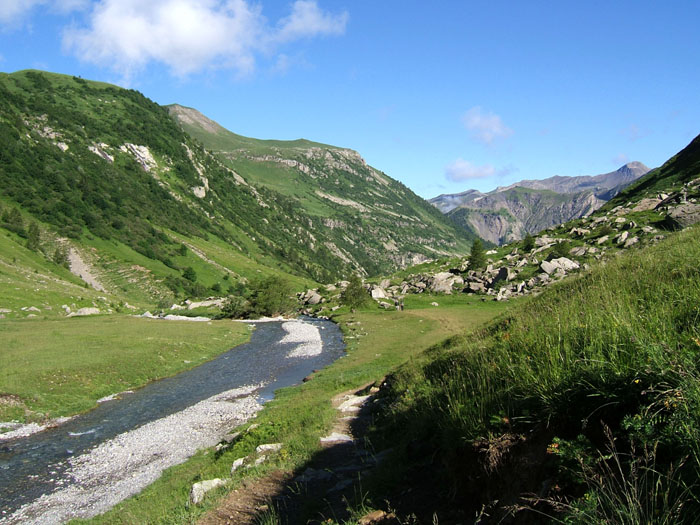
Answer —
528 243
477 256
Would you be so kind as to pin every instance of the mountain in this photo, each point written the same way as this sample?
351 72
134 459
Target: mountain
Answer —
374 220
110 177
509 213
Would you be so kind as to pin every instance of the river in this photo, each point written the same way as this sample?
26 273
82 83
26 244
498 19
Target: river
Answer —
88 464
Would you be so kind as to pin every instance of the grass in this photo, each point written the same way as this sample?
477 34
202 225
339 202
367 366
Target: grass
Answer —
61 367
615 348
377 341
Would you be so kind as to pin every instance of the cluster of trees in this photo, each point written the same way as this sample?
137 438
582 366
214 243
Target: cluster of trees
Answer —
11 219
265 297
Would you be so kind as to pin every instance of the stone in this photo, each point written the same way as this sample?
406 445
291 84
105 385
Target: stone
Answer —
200 488
578 251
434 304
442 282
684 215
385 283
352 403
336 437
378 293
566 264
620 239
313 299
631 241
237 464
603 239
5 311
86 311
269 447
548 267
475 287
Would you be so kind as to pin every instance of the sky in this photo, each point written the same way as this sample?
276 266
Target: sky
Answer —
444 96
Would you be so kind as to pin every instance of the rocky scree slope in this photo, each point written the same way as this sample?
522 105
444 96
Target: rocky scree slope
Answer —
371 221
509 213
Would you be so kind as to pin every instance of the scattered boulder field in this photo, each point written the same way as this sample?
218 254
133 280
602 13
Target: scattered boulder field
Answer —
555 253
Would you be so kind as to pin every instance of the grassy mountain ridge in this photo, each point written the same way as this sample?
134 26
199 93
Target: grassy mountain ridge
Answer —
337 187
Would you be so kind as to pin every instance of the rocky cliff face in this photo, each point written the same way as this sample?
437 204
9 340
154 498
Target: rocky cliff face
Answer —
509 213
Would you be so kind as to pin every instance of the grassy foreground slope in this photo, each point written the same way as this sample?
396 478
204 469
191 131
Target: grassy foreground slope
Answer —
581 403
377 342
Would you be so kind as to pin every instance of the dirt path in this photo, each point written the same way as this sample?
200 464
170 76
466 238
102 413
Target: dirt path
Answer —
325 485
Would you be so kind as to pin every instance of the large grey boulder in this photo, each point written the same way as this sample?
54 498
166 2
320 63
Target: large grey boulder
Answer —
378 293
566 264
684 215
548 267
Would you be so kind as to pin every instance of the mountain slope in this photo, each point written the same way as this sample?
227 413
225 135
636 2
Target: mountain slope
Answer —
679 170
373 217
110 174
509 213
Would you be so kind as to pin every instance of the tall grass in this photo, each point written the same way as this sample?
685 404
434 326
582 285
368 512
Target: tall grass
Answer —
616 347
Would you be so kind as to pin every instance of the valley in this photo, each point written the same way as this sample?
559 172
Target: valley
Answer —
506 379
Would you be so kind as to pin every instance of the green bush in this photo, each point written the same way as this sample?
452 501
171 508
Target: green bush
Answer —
355 295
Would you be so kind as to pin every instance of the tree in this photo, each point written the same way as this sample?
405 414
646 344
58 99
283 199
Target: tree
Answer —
33 236
477 256
528 243
190 274
60 256
272 296
354 295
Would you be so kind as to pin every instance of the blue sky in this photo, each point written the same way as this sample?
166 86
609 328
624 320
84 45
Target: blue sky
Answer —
444 96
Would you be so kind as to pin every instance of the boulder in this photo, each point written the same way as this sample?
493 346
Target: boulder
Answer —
548 267
378 293
200 488
313 299
603 239
237 464
565 264
475 287
578 251
269 447
385 283
631 241
620 239
684 215
442 282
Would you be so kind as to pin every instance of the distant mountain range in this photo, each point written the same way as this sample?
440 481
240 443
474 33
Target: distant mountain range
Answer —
529 206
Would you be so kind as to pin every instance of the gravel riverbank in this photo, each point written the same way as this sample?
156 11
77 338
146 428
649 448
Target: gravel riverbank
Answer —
124 465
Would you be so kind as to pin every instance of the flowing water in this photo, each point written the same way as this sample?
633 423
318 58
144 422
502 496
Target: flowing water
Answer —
36 465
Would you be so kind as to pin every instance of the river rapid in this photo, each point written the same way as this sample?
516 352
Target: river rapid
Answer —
90 463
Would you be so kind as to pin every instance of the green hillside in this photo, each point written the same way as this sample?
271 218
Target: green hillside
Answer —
336 187
109 173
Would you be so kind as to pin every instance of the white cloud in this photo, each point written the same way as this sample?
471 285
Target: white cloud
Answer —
190 35
308 20
462 169
484 126
13 11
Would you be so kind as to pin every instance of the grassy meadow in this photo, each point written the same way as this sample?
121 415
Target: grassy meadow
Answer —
60 367
591 390
377 341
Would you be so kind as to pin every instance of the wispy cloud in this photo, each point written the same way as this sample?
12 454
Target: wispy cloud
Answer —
486 127
633 132
461 170
620 159
189 36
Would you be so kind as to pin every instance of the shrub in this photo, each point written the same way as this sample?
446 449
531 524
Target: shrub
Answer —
477 256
